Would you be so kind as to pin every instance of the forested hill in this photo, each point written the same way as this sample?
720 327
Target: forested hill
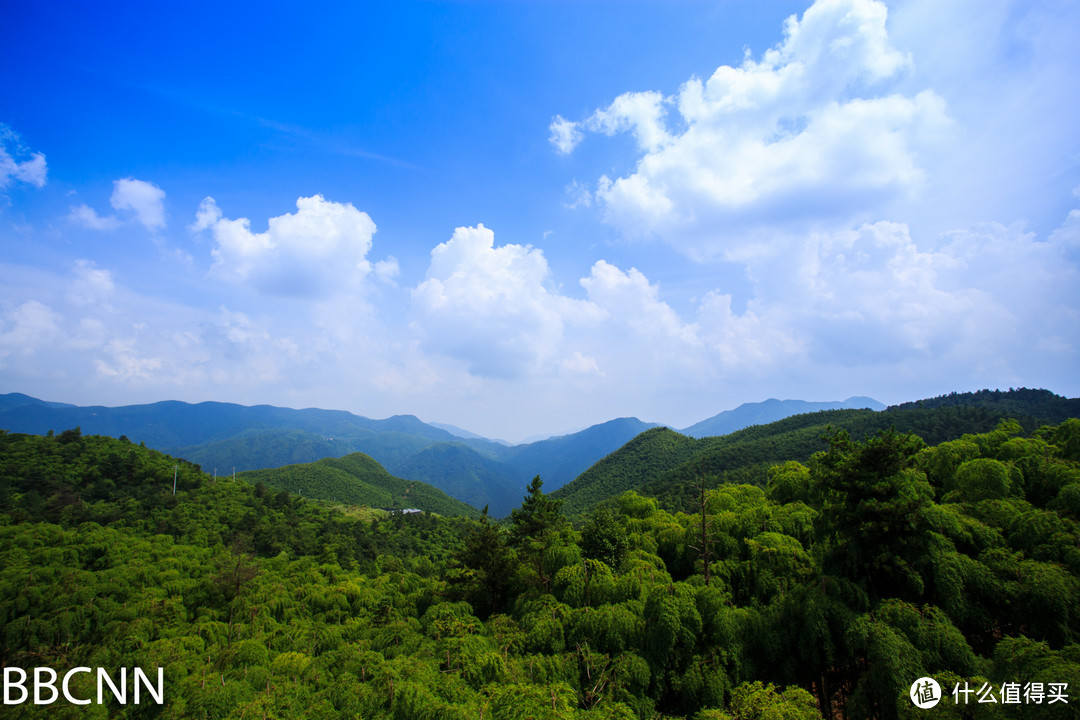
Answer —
631 467
664 464
1022 402
71 479
824 594
357 479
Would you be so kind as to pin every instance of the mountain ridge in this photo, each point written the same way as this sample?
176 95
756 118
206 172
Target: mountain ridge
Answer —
666 465
771 410
223 437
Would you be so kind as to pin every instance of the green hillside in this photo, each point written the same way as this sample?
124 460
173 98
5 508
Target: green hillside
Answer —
357 479
259 449
667 470
630 467
70 479
254 449
465 474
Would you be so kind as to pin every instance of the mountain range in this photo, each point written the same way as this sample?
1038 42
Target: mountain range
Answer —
225 438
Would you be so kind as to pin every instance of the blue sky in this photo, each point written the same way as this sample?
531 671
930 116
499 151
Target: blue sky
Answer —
523 217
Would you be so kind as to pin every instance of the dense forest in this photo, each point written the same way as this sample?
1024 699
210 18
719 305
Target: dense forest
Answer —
820 585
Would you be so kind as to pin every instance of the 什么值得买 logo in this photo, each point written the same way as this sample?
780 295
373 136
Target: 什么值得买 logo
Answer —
925 693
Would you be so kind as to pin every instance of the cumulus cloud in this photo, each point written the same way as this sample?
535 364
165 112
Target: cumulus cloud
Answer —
492 307
641 113
809 132
580 364
497 310
206 216
991 303
388 270
26 328
80 330
91 285
577 195
87 217
319 250
629 300
565 135
145 199
32 170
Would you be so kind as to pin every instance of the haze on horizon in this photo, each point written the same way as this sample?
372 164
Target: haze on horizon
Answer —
524 217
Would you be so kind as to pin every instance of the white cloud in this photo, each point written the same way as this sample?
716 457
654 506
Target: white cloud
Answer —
581 364
577 195
807 134
492 307
1067 237
868 296
639 112
630 301
1007 69
786 165
388 270
87 217
81 331
27 328
206 216
320 250
745 346
565 135
829 314
143 198
33 171
991 304
496 309
121 360
91 284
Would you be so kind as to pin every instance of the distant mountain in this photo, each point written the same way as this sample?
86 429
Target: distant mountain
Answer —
548 435
174 424
465 434
357 479
14 400
559 460
770 410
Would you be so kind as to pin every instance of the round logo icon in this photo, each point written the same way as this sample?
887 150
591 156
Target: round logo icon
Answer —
925 693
